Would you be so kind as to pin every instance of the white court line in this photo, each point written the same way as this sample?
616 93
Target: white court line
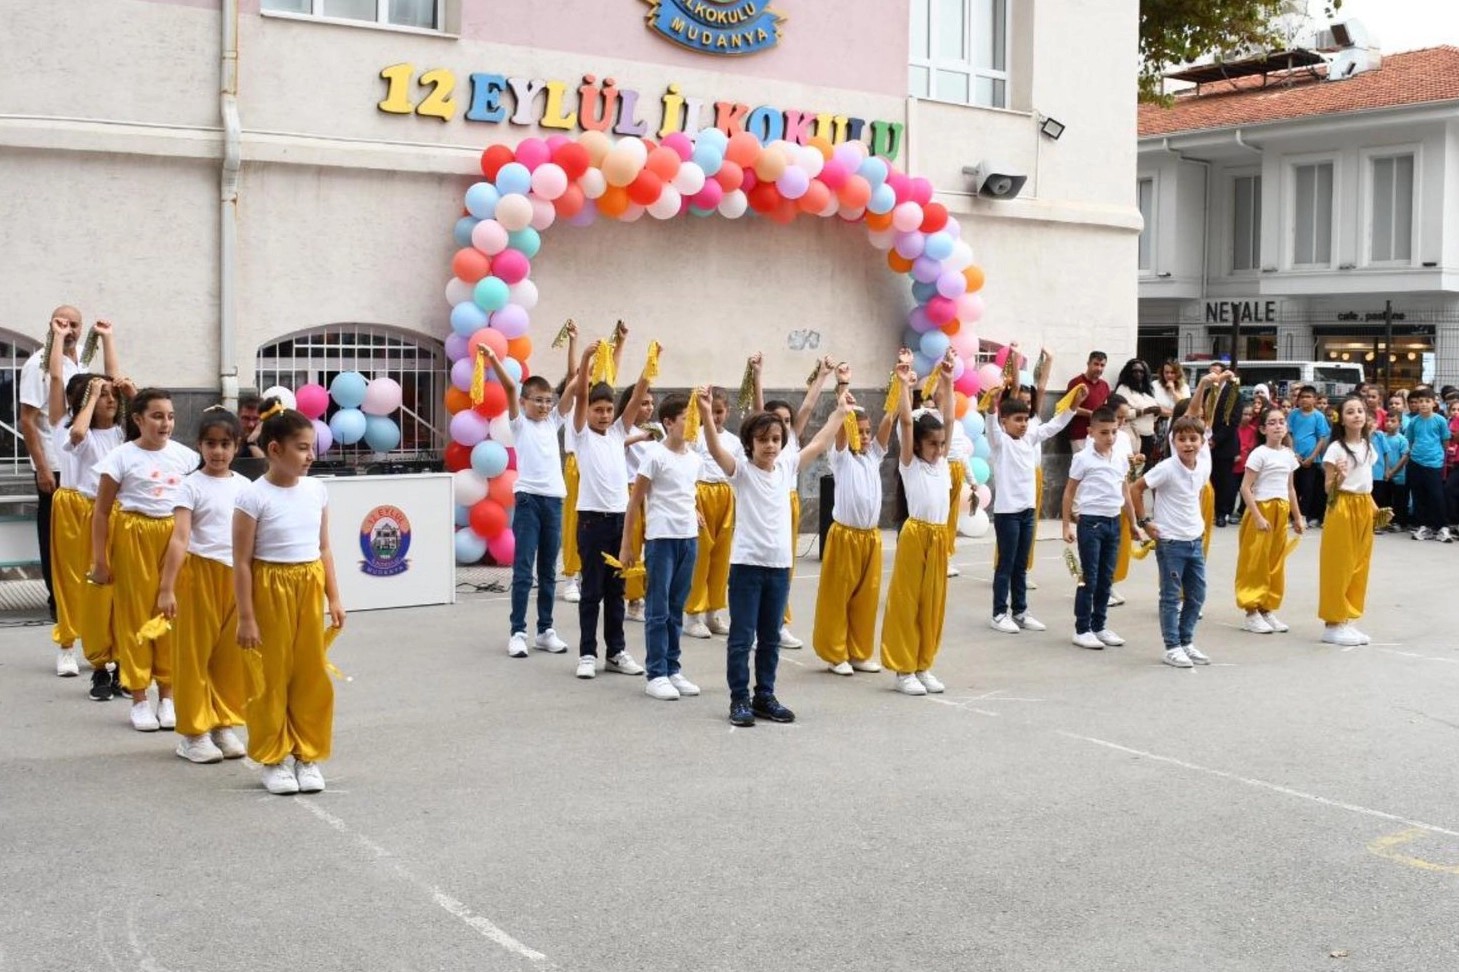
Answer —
964 705
1413 654
450 905
1263 785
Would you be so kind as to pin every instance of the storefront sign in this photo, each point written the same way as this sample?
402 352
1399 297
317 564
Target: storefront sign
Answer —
1371 316
725 27
1241 312
605 107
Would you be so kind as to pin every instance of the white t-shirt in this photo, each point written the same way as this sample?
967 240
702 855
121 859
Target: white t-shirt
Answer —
1272 467
928 486
148 481
762 513
211 499
672 513
539 464
1101 490
288 519
959 445
65 464
569 436
602 470
1142 424
1014 461
709 469
858 486
1177 513
1359 478
96 446
635 453
35 391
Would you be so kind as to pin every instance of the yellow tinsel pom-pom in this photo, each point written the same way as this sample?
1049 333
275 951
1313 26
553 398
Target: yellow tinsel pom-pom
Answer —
562 334
478 377
894 395
853 432
627 573
929 387
1067 402
691 417
603 370
330 634
651 366
154 629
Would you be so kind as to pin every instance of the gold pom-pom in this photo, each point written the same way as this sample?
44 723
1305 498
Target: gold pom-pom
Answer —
893 400
562 334
478 376
153 629
691 417
651 366
853 432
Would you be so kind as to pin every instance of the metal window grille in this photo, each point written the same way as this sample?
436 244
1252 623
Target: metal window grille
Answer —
14 349
418 363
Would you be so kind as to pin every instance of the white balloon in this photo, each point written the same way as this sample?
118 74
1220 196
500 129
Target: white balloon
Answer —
470 488
285 397
961 257
523 294
634 147
514 212
633 213
812 161
500 430
593 183
832 207
667 205
689 179
973 525
459 291
882 239
733 204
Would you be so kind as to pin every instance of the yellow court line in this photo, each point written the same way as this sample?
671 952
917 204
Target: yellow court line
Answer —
1387 847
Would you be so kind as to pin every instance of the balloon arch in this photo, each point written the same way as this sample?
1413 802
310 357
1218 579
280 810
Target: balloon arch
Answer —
561 180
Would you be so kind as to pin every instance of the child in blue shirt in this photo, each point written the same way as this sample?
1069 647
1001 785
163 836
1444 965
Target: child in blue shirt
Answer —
1310 434
1427 434
1389 483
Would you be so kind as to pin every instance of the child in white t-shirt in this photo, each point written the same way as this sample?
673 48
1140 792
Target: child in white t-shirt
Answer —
1097 485
142 477
283 575
759 574
1347 527
207 667
1269 490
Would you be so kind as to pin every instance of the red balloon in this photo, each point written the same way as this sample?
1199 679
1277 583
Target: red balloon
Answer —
511 458
488 518
502 489
458 457
470 264
764 198
934 217
493 400
570 203
645 189
494 158
573 159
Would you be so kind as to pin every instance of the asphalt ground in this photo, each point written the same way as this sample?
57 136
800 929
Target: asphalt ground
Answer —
1290 807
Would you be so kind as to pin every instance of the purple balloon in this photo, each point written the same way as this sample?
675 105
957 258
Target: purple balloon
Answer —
918 320
456 347
909 245
926 269
951 283
584 217
323 437
793 183
511 320
461 374
468 428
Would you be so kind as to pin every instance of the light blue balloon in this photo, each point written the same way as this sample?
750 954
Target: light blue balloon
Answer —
527 240
348 391
920 362
973 424
923 292
489 459
708 158
911 338
712 136
513 179
481 200
874 171
462 233
514 368
462 516
883 199
348 425
981 448
981 471
939 246
470 548
491 293
381 433
467 319
934 345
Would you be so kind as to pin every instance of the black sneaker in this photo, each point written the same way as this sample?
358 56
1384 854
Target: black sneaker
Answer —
768 707
101 689
117 691
741 713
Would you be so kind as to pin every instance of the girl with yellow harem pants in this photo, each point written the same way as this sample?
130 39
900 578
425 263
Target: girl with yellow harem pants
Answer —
283 575
572 561
1268 488
715 501
1347 529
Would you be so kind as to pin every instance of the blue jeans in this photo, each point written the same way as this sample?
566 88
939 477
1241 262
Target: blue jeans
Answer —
537 524
1099 545
600 533
670 564
757 597
1182 589
1010 575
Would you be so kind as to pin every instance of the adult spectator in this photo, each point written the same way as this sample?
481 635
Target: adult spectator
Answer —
248 406
1222 411
1135 386
1098 393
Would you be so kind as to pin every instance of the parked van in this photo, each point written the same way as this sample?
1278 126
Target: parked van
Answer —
1330 378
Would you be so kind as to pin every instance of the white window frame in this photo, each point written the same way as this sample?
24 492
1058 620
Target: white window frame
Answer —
1232 177
1369 190
1151 223
381 21
1289 209
932 63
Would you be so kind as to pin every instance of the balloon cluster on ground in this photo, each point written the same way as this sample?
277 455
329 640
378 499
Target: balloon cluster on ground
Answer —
363 410
540 182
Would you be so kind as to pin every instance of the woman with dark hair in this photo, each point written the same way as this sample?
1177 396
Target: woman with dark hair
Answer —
1135 387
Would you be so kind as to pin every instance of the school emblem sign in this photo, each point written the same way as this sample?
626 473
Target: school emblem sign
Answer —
385 540
723 27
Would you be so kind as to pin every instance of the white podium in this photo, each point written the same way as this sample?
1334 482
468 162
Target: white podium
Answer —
392 540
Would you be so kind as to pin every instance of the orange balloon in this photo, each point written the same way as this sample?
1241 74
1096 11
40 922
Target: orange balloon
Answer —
878 221
570 203
952 327
743 149
816 197
493 400
730 176
771 165
613 202
898 262
520 348
457 400
960 404
855 192
492 338
501 489
663 162
470 264
822 146
975 278
785 211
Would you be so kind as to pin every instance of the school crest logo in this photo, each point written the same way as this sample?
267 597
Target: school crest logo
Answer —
724 27
385 540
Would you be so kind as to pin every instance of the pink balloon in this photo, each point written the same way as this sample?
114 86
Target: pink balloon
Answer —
940 310
382 397
709 196
532 152
544 214
965 342
920 191
511 457
511 266
970 308
1001 357
902 186
312 400
989 375
984 495
906 217
967 382
489 236
834 175
681 145
554 142
549 181
502 547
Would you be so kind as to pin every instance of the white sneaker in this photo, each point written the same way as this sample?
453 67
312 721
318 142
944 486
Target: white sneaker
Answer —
587 666
1004 623
1108 637
1423 533
549 641
1444 535
228 743
869 665
842 668
66 664
661 688
952 571
166 714
910 684
309 777
623 664
930 682
517 646
1177 657
1278 625
694 626
686 688
1196 655
279 779
788 640
572 592
1115 598
199 749
717 624
634 611
1088 639
1257 623
1030 584
1028 622
1342 635
143 718
1362 638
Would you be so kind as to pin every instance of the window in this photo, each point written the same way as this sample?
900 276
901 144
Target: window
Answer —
1312 215
1246 223
1391 237
959 51
424 14
14 349
417 363
1145 189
